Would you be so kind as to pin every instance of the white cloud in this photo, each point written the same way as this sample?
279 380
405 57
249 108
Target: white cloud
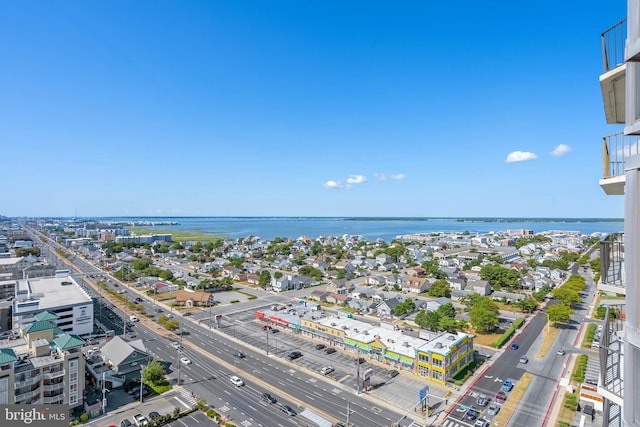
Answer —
520 156
383 177
356 179
561 150
333 184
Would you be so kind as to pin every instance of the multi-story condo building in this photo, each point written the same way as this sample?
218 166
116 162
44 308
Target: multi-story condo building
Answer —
61 295
43 366
619 380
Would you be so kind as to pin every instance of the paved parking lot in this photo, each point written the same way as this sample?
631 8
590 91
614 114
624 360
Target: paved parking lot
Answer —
165 404
401 391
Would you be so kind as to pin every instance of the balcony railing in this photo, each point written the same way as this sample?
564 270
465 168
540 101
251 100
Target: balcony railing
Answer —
53 399
613 40
612 351
616 149
53 387
612 262
53 374
26 381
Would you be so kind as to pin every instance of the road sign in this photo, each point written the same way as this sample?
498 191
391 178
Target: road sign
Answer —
424 392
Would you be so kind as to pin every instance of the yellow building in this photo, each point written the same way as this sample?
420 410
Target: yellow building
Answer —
444 356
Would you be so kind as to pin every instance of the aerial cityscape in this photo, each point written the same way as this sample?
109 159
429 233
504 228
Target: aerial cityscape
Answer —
320 214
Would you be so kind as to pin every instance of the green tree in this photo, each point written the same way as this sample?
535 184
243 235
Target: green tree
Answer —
484 315
559 313
447 310
440 288
277 274
428 320
528 305
21 252
406 306
141 264
153 372
265 279
566 295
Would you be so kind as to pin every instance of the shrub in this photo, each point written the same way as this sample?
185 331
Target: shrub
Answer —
233 301
84 417
211 413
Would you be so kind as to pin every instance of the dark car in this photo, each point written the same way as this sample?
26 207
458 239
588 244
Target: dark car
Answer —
239 354
265 327
288 410
274 330
187 314
294 355
472 413
126 423
320 346
154 415
329 350
267 397
515 346
360 360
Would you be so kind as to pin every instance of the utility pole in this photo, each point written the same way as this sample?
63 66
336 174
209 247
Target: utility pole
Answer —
141 383
267 331
104 394
358 368
348 412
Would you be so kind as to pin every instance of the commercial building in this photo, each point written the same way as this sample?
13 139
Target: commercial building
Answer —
60 295
619 346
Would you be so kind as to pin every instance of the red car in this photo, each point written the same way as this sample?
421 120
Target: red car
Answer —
501 396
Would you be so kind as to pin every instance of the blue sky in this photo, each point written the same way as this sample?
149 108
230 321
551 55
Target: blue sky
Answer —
304 108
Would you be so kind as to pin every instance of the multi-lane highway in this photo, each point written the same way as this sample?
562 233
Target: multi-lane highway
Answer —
214 363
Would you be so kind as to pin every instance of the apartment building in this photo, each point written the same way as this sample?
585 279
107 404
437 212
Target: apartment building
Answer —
619 380
42 366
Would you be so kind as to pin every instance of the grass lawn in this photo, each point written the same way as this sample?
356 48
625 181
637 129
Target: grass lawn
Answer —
178 236
485 339
512 402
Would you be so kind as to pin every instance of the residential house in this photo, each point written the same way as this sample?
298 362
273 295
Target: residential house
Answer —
386 307
437 303
416 285
480 287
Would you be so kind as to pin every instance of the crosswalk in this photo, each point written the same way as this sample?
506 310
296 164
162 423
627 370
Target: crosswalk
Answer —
188 397
449 422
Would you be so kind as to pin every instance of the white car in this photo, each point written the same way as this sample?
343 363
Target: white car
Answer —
185 361
176 345
133 319
326 370
237 381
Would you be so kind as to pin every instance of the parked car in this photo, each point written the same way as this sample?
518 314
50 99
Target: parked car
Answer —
501 397
493 409
320 346
524 359
481 423
472 413
360 360
288 410
187 314
507 385
267 397
294 355
153 415
235 380
329 350
326 370
126 423
140 420
482 400
274 330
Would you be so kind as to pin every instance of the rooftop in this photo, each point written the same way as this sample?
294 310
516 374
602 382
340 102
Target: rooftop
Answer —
48 293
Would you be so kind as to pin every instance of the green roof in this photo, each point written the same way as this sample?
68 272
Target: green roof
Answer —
67 341
39 325
46 315
7 355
